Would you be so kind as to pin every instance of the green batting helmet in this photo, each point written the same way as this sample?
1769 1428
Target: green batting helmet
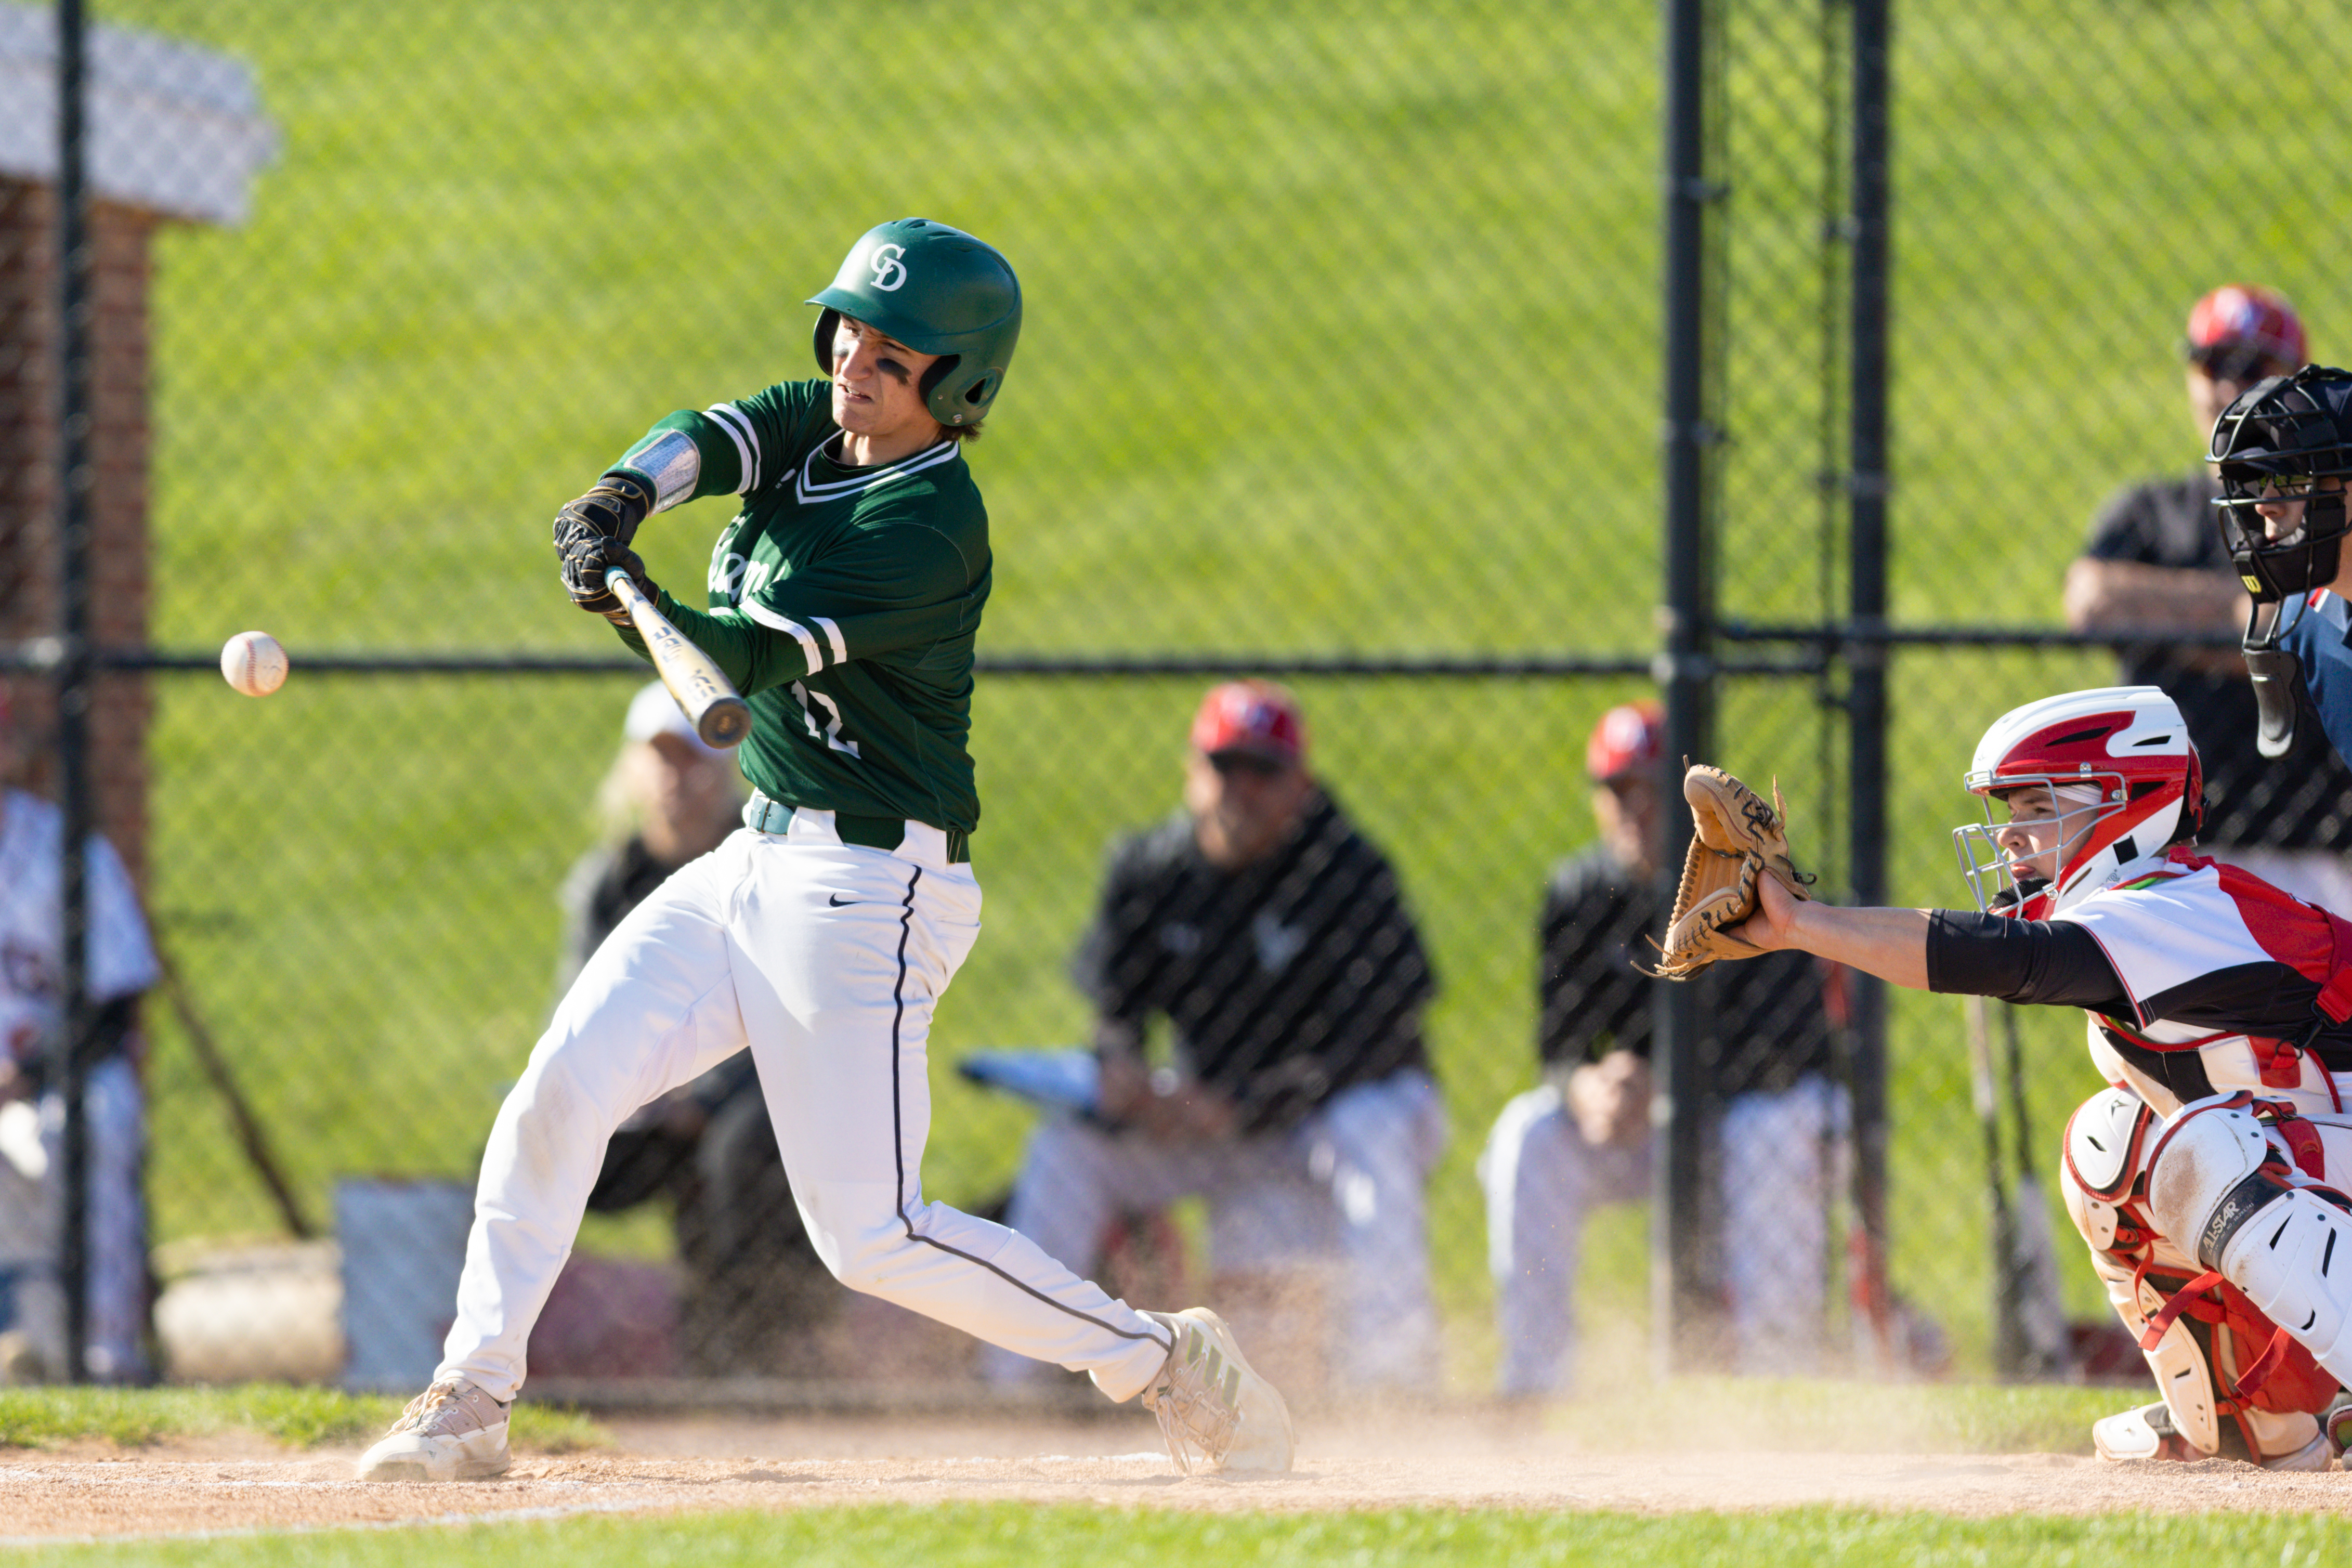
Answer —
939 292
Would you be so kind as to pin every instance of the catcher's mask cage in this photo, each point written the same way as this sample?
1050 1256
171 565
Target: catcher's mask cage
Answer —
939 292
2136 783
2277 441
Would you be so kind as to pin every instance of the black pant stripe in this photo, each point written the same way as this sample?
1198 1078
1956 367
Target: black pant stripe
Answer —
898 1144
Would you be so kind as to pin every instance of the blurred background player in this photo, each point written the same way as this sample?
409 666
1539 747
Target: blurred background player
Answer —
753 1286
122 965
2155 558
1583 1138
1270 933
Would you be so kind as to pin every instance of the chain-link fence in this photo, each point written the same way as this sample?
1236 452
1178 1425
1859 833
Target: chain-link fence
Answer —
1342 364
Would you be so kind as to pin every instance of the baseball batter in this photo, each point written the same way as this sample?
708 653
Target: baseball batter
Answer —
843 599
2206 1179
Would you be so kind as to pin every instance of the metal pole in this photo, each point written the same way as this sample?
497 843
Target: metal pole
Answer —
74 476
1866 700
1681 1305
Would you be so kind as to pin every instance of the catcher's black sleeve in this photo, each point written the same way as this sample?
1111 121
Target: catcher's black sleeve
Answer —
2054 963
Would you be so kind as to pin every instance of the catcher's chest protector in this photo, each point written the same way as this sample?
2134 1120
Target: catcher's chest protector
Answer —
2197 938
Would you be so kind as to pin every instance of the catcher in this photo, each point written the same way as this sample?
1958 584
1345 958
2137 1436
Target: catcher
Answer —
2205 1179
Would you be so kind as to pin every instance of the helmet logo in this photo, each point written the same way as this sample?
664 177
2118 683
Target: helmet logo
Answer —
889 273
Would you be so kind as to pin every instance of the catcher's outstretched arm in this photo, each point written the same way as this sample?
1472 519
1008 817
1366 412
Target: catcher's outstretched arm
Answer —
1890 943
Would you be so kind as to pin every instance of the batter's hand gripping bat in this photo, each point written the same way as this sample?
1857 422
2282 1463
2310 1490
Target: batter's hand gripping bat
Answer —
708 698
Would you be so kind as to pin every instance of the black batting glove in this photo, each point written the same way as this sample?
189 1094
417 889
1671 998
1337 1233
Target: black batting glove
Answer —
612 511
586 558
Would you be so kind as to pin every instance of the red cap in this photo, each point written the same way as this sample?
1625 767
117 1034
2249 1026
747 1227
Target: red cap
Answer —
2247 313
1254 716
1626 742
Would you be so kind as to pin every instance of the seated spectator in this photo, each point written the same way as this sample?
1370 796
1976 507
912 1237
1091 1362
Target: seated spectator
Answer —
120 964
1583 1138
754 1284
1297 1097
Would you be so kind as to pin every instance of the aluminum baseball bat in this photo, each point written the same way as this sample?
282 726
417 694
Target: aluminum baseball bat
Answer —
707 697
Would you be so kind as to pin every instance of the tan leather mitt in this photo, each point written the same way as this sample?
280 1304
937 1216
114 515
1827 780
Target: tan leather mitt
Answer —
1737 836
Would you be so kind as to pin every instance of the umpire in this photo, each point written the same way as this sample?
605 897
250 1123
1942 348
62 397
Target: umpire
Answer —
1298 1099
1583 1138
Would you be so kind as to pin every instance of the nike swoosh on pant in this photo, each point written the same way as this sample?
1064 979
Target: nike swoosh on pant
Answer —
836 901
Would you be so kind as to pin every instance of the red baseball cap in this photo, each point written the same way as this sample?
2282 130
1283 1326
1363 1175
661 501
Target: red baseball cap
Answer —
2248 316
1626 743
1256 717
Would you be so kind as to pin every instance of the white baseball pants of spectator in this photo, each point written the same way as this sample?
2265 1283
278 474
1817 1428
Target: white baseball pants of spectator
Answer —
1781 1157
825 958
114 1232
1352 1180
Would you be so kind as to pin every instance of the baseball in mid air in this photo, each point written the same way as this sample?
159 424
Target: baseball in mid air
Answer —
253 663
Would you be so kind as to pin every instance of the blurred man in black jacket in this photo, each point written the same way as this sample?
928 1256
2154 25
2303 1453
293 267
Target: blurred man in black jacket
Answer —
1583 1138
1298 1098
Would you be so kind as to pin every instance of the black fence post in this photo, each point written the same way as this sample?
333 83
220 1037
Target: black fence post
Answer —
1682 1303
74 481
1867 653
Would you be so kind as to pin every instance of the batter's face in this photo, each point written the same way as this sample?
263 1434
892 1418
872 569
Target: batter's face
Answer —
877 396
1242 805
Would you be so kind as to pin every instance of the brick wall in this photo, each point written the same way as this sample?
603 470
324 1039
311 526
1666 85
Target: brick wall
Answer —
29 558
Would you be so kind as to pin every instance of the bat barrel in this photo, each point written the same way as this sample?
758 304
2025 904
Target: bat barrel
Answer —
724 723
710 704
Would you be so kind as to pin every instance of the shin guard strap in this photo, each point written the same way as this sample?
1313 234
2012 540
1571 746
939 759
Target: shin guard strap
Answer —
2182 1301
2250 1382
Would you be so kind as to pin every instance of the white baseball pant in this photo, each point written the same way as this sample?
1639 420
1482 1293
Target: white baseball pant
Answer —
32 1218
1352 1180
826 959
1779 1157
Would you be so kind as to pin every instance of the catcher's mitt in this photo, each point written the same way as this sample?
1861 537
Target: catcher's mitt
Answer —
1736 837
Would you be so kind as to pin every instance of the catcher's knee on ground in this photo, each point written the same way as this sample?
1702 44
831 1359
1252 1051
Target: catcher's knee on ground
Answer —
2204 1352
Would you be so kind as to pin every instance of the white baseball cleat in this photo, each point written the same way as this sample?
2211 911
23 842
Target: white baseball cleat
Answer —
1215 1413
451 1432
2148 1432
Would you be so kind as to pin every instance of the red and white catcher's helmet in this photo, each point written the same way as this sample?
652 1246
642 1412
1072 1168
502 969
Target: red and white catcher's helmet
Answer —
2125 780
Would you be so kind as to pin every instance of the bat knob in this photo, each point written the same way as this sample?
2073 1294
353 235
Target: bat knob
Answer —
725 722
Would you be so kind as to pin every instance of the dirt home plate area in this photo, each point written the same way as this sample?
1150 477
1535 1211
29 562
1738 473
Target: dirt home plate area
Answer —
680 1465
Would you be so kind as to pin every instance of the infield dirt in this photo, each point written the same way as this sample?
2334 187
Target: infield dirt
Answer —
676 1466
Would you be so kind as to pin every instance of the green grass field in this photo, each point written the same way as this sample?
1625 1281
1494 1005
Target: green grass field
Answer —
1341 336
984 1535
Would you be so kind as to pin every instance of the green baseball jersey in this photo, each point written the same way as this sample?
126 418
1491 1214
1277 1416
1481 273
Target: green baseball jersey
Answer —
841 602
